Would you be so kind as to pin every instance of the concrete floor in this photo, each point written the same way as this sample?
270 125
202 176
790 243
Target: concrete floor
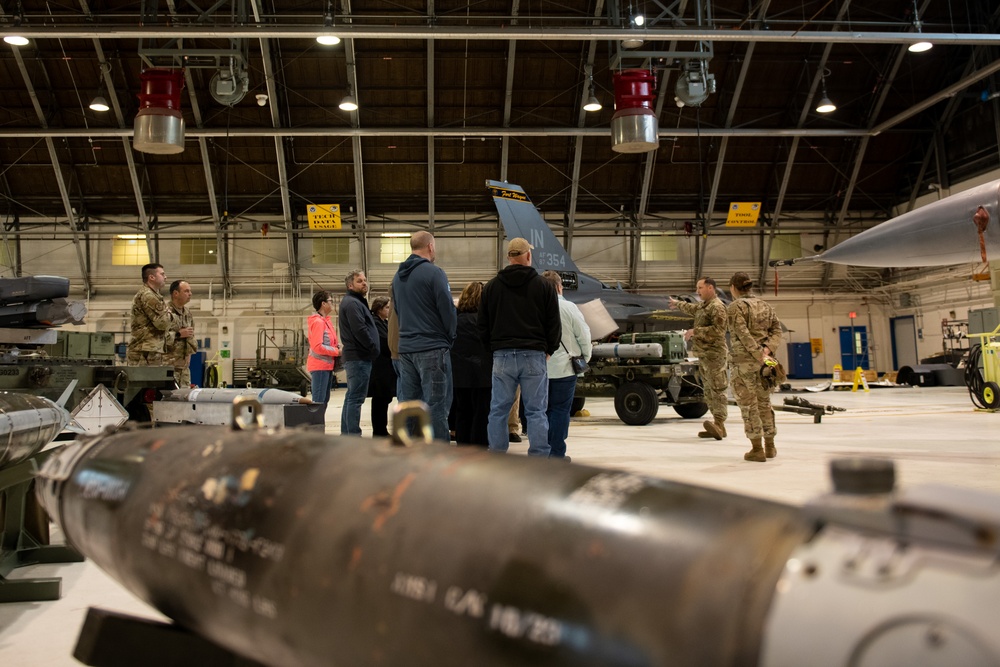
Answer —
933 434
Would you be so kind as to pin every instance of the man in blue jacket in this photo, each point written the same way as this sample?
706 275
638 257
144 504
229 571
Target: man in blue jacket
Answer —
427 322
360 346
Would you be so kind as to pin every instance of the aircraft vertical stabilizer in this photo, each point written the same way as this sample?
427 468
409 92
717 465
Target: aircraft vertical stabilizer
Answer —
520 218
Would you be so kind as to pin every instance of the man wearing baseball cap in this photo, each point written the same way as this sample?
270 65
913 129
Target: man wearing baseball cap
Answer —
519 321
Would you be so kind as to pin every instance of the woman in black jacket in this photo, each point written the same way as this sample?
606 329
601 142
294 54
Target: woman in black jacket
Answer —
382 383
472 371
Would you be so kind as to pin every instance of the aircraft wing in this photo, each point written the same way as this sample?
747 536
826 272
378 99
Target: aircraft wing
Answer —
939 234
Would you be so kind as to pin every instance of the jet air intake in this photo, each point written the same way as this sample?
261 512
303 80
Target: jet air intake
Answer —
634 128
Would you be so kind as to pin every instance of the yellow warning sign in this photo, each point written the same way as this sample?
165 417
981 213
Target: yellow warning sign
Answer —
743 214
323 216
817 345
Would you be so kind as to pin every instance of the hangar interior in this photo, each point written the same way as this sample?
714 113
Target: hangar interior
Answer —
451 94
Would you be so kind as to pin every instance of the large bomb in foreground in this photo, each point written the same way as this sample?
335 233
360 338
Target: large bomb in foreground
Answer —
296 548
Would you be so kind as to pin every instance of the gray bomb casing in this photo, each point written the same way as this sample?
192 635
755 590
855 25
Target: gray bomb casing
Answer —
295 548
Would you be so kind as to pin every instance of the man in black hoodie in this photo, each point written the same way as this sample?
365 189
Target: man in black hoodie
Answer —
519 321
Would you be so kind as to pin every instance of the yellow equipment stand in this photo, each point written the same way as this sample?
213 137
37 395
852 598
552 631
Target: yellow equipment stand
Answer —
984 385
859 379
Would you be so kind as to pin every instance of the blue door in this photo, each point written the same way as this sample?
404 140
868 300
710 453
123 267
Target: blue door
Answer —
853 348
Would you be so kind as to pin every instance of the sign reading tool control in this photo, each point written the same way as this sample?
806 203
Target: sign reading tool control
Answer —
323 216
743 214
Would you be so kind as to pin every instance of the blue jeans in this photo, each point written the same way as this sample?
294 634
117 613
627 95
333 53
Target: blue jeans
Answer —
561 393
426 376
510 369
322 382
358 373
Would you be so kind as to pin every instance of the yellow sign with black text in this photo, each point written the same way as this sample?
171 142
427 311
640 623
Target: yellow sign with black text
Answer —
323 216
743 214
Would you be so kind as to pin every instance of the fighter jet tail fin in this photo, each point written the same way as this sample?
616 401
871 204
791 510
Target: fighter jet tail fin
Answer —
520 218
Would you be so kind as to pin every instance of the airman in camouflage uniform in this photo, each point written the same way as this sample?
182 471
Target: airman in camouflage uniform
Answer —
151 319
180 344
708 343
755 333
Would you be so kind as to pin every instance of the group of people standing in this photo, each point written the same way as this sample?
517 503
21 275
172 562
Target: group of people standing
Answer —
516 333
755 334
162 331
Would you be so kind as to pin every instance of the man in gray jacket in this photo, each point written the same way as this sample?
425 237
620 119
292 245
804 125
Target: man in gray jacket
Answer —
427 324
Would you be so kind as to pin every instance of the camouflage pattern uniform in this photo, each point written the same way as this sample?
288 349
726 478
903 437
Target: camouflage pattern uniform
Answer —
151 320
708 343
752 325
179 350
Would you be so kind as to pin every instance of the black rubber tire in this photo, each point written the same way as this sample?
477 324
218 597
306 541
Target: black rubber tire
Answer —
691 410
636 403
990 394
578 403
862 476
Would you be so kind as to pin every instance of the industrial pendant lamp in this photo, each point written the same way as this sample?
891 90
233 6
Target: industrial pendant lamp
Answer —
328 38
921 46
825 104
99 103
592 103
349 103
16 40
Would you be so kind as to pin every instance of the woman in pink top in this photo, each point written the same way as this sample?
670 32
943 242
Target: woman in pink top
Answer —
323 348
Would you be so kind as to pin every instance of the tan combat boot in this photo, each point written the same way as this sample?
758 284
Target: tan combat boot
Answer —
715 430
769 449
756 453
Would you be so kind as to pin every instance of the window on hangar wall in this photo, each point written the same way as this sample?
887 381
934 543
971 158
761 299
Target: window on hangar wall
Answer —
395 248
656 247
786 246
199 251
331 250
129 250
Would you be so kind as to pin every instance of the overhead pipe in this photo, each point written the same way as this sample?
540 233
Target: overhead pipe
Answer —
505 32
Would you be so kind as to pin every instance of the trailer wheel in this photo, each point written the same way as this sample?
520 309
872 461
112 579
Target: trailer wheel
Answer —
990 394
691 410
578 402
636 403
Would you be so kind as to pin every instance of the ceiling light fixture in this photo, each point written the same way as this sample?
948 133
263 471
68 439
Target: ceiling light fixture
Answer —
99 103
328 38
592 103
16 40
921 46
825 105
349 103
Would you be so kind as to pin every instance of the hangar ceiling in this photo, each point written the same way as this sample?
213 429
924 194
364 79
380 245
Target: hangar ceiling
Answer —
454 93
